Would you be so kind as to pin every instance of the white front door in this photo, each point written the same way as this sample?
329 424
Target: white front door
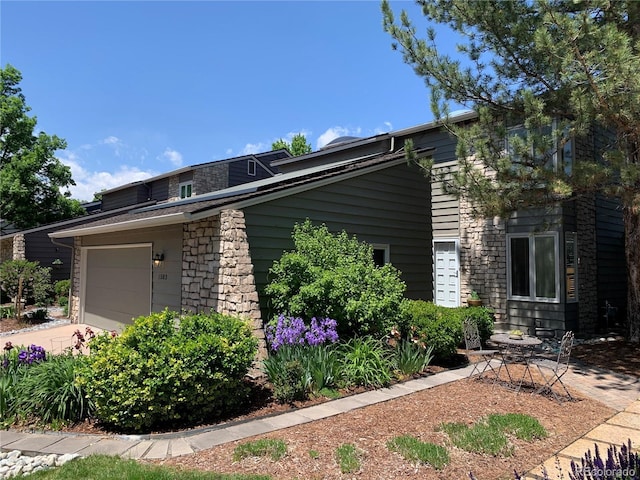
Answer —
446 283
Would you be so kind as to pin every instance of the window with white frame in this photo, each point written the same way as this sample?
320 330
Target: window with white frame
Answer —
533 267
186 189
251 168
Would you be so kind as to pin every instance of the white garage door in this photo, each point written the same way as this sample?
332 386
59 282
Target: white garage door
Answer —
118 285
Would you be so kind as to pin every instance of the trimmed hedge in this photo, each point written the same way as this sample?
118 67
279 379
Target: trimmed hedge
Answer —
441 327
166 369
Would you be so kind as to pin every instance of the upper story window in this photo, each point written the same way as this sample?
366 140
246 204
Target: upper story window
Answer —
186 189
535 145
380 254
533 267
251 167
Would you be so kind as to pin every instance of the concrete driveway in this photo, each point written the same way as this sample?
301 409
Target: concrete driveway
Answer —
52 339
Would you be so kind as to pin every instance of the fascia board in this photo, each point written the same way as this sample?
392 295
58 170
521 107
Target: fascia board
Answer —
169 219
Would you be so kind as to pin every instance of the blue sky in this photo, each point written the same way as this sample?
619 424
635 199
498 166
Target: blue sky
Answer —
142 88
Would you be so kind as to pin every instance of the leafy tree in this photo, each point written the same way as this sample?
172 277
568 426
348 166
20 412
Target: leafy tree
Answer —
298 145
532 63
335 276
30 175
21 279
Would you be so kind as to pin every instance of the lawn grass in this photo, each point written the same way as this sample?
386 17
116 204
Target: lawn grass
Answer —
274 448
348 458
103 467
488 436
413 449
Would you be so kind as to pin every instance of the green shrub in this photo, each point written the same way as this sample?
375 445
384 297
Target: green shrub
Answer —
169 370
441 327
335 276
49 391
61 289
365 361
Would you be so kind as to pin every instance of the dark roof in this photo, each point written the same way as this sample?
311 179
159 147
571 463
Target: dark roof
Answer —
264 158
205 205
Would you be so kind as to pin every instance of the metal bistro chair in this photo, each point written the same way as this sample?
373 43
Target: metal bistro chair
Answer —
474 347
552 371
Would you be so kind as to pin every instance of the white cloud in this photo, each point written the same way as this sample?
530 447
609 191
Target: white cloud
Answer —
385 129
88 183
250 148
173 156
111 140
335 132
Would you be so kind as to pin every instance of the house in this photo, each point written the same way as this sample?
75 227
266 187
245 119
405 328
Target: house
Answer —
34 244
551 269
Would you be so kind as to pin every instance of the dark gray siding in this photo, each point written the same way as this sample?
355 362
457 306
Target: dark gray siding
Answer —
123 198
390 206
160 190
238 172
38 247
612 270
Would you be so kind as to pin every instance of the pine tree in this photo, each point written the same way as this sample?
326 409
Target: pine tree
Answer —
573 64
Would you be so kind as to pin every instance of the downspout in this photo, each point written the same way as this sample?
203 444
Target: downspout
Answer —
73 254
392 144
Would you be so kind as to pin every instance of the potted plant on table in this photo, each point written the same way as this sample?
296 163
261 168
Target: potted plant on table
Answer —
474 299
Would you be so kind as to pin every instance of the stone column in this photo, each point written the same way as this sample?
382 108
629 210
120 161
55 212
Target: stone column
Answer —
19 247
74 299
483 259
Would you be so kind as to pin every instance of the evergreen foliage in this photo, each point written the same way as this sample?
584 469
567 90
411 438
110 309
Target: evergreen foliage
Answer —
573 65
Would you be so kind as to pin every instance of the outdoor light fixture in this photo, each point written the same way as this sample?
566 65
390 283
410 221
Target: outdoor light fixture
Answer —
158 258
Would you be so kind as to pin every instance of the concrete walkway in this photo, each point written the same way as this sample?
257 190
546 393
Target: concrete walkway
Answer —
619 392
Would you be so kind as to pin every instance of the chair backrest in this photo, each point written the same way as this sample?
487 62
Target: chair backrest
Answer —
565 350
471 334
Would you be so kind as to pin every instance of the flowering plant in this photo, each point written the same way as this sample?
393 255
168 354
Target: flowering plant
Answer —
17 356
293 331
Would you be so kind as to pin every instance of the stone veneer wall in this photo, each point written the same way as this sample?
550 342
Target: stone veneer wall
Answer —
588 264
174 188
483 259
217 272
19 247
210 179
74 301
6 249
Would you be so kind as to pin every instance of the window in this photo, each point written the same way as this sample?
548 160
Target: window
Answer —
571 265
558 158
380 254
251 168
186 189
532 261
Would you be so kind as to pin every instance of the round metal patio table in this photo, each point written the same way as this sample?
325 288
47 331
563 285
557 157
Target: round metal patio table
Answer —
514 350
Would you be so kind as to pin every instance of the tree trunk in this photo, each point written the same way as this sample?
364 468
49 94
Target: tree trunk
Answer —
632 249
